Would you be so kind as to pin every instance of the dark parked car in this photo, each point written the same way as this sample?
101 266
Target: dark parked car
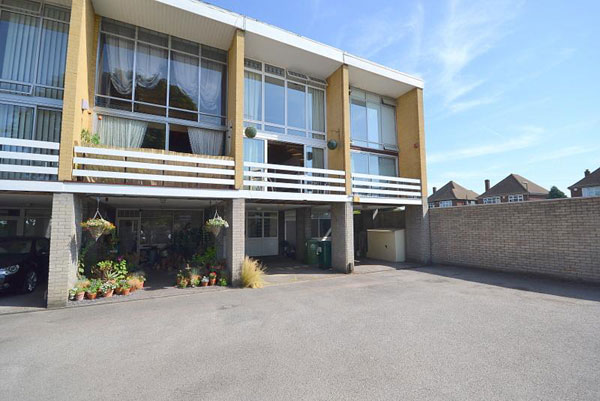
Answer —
23 262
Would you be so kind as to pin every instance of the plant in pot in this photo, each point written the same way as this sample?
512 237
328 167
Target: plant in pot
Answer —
79 293
215 225
195 276
124 287
133 282
182 279
212 278
222 282
204 281
141 278
91 292
108 288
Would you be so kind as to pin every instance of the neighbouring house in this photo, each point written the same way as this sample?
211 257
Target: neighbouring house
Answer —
162 114
451 194
513 188
589 185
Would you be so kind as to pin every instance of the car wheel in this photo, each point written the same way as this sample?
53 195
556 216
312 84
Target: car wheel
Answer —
31 280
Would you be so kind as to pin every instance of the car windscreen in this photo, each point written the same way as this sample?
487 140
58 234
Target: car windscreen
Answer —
18 247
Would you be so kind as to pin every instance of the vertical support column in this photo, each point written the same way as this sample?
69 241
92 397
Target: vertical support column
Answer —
418 239
79 81
235 241
342 237
65 241
338 122
411 164
235 104
302 232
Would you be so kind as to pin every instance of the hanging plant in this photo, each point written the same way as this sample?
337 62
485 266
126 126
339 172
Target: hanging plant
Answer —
97 227
215 225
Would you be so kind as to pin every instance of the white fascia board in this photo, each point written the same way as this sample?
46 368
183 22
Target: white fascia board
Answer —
381 70
208 11
291 39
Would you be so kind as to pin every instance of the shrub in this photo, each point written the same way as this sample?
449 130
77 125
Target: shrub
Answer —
252 273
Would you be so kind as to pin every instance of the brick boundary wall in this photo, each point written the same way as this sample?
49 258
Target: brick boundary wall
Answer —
559 237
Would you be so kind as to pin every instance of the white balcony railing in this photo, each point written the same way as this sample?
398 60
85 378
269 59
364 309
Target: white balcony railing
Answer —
283 179
385 189
37 159
110 165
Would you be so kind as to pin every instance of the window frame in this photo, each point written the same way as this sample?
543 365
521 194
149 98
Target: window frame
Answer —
166 119
491 200
311 137
516 198
445 203
382 101
8 95
395 157
589 192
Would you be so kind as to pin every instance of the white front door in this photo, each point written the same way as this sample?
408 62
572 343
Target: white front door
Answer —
261 234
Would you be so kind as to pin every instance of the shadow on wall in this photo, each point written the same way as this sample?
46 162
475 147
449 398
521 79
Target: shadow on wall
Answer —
518 281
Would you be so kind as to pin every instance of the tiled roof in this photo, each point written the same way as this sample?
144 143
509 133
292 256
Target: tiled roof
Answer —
452 191
514 184
592 180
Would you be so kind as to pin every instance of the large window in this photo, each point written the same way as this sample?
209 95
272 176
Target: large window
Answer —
515 198
590 191
173 89
373 120
283 102
374 164
33 48
491 200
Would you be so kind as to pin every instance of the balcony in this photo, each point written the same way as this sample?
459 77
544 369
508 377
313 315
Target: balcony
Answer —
278 181
149 167
386 190
23 159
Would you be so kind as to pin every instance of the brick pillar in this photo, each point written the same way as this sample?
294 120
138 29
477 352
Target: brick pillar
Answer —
302 232
342 237
65 241
417 234
235 238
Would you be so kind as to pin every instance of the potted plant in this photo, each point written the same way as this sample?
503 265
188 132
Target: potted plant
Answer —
204 281
97 227
91 292
79 294
215 225
194 276
108 288
124 287
133 283
223 282
182 279
140 277
212 278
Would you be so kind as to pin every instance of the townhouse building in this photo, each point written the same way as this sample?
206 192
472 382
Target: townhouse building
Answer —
163 112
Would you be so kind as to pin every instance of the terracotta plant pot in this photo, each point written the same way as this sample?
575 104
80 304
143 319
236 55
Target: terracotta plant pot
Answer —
212 281
79 296
91 295
109 293
140 285
118 291
125 291
204 283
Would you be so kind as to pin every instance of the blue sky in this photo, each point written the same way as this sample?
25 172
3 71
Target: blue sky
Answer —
510 86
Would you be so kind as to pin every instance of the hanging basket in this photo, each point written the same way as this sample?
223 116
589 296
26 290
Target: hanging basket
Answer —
97 227
215 225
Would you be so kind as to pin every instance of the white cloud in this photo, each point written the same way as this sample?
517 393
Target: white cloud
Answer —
530 136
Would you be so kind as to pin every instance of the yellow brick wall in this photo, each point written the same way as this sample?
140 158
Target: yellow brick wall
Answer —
411 137
338 122
235 103
79 81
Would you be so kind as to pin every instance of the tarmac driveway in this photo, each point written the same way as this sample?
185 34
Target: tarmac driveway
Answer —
422 334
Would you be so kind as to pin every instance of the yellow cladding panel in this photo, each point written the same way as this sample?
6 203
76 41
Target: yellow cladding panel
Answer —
411 137
235 103
79 81
338 122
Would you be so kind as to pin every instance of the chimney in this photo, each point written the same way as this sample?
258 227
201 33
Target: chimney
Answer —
434 189
487 185
586 172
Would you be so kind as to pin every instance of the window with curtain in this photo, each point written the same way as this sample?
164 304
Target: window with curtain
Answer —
173 78
33 48
294 104
372 121
31 123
